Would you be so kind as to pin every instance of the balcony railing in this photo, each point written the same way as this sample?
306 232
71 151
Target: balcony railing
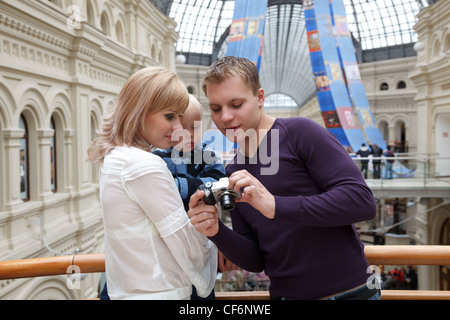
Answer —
421 167
376 255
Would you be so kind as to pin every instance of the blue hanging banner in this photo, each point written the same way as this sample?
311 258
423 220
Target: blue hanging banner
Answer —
351 71
337 75
247 30
326 75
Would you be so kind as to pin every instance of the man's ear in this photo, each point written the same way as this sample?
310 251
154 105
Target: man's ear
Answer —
261 97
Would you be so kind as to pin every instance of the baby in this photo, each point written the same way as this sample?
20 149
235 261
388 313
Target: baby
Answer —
189 159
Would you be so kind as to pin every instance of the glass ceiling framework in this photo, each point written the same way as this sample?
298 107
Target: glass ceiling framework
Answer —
285 61
200 23
381 29
382 23
373 23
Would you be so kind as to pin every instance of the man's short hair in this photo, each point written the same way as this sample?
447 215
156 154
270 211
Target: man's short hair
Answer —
230 66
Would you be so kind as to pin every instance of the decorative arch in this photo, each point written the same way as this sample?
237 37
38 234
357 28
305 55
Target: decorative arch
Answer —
436 48
34 102
92 12
119 29
382 124
446 40
383 85
105 23
119 33
400 124
96 107
274 99
62 105
41 288
400 82
7 105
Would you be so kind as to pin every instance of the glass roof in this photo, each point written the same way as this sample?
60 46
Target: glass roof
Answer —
200 23
383 23
381 29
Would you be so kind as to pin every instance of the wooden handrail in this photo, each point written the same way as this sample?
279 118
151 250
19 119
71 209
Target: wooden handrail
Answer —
50 266
408 255
376 255
90 263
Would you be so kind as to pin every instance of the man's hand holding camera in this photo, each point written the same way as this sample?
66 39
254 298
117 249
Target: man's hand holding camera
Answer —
205 217
253 192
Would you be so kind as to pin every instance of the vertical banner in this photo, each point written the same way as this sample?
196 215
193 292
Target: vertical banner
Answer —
325 74
247 30
351 70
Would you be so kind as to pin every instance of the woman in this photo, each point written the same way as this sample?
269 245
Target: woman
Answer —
151 249
295 223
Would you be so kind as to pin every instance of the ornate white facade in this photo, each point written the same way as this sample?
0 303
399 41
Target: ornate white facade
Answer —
62 64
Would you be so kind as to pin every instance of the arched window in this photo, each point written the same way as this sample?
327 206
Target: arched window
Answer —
447 43
24 161
53 157
400 137
401 84
119 33
104 23
384 129
90 13
384 86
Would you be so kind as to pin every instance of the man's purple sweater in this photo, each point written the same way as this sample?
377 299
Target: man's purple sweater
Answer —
310 249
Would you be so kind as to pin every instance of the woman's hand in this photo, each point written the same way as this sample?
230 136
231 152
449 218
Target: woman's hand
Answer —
225 264
253 192
205 218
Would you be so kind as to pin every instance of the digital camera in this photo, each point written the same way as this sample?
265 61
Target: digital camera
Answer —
218 192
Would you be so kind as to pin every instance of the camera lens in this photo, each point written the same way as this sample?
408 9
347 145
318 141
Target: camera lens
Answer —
227 201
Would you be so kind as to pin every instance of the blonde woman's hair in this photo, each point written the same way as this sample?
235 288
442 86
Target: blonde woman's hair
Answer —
150 89
230 66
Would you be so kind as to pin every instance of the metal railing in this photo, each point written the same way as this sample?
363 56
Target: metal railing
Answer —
409 166
376 255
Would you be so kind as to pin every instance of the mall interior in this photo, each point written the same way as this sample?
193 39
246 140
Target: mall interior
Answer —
63 62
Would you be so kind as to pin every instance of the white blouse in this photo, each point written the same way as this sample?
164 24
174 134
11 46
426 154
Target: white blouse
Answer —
152 251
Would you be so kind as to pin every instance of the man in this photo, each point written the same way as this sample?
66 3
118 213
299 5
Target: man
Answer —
295 223
364 153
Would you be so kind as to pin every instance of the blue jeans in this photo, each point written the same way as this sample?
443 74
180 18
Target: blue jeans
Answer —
360 293
388 170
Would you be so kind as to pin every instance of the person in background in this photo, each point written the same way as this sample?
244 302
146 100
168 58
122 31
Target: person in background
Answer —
151 249
364 153
390 159
296 224
377 152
